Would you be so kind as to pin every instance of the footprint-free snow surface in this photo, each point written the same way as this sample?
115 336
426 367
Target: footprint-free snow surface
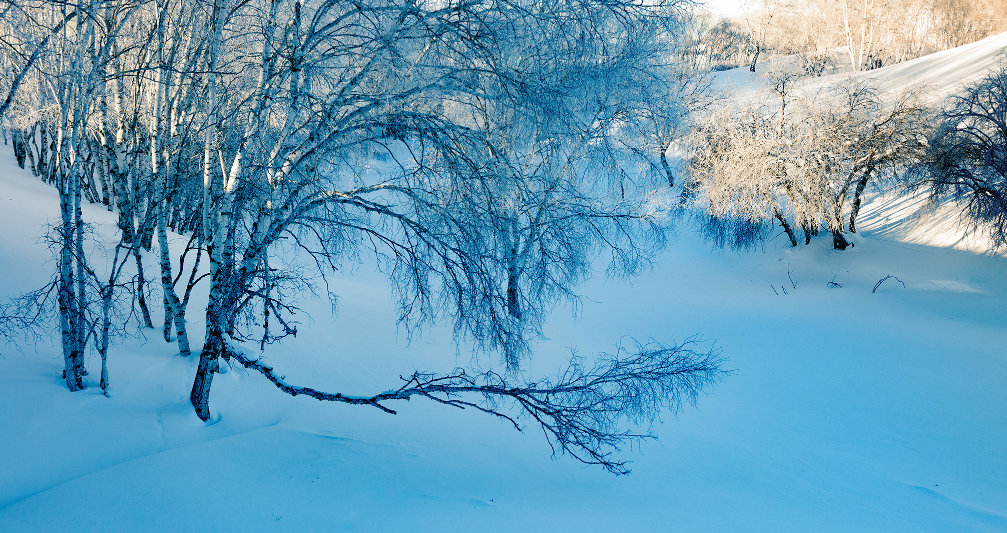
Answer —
847 410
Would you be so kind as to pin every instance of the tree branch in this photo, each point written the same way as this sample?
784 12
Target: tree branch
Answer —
581 412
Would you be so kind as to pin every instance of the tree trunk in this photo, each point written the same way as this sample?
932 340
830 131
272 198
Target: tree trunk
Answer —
857 198
839 241
174 311
43 147
19 148
786 227
31 143
106 308
141 283
80 332
73 367
664 164
213 345
106 323
208 364
166 285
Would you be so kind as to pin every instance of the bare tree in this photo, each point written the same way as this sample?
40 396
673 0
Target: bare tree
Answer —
484 154
758 20
806 159
967 156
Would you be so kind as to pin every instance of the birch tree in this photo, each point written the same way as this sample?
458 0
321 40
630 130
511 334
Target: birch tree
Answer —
484 154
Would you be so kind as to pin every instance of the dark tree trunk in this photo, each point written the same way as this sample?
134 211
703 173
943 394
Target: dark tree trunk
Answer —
141 283
208 364
213 345
839 241
43 158
786 227
19 148
857 198
666 166
513 305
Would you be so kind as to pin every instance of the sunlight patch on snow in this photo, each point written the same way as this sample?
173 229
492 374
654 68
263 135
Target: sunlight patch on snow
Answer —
908 218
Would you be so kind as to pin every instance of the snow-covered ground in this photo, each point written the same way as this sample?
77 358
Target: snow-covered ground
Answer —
848 410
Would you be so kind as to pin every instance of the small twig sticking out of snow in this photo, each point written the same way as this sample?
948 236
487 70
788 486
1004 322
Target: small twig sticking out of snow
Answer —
784 287
774 289
792 284
833 285
882 280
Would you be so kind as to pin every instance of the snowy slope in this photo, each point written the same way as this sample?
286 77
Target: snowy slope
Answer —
892 216
847 411
943 72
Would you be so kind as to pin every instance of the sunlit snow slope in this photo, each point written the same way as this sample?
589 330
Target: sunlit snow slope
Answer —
899 217
848 410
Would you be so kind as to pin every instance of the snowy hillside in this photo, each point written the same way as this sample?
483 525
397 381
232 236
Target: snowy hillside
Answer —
849 408
944 71
903 219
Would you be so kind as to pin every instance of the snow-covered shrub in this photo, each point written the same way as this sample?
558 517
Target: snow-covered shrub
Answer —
803 159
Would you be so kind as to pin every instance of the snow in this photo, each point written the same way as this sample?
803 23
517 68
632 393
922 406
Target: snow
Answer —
724 8
848 410
943 72
901 218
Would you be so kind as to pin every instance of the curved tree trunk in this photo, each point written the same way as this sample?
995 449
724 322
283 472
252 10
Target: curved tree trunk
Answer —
857 198
208 364
216 321
786 227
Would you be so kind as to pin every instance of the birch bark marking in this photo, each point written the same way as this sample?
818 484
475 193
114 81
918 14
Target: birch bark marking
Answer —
160 180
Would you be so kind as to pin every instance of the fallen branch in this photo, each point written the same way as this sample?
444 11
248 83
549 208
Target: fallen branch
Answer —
580 413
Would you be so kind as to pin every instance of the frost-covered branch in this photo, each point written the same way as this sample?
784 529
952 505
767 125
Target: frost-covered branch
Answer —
581 412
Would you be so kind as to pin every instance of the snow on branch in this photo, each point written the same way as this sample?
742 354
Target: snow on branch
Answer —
581 412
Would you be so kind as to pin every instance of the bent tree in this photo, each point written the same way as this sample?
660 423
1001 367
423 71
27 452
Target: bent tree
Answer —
480 150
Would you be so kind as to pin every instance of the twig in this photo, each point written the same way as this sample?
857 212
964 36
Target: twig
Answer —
882 280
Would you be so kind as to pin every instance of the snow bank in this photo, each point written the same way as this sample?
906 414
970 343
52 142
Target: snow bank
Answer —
848 410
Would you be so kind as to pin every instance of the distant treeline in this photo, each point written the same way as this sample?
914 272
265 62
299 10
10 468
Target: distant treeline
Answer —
873 33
